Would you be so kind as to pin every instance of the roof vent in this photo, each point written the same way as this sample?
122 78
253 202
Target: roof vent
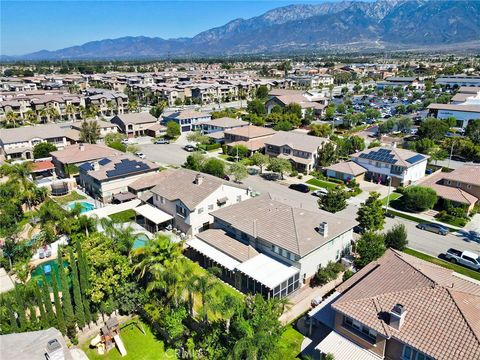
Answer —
81 147
53 346
323 229
397 316
198 179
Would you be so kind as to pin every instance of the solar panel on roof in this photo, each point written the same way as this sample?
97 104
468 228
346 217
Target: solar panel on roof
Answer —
415 158
104 161
127 166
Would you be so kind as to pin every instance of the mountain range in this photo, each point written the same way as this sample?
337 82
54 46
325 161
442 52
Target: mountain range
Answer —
347 26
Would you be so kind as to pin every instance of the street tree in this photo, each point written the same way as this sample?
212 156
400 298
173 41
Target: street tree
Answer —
419 198
238 171
396 237
215 167
173 129
334 201
260 160
371 215
369 248
280 166
327 155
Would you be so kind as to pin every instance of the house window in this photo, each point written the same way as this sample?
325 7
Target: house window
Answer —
210 207
239 198
162 200
200 210
407 353
362 330
181 211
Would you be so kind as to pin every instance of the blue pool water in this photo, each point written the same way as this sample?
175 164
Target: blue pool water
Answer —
140 241
85 206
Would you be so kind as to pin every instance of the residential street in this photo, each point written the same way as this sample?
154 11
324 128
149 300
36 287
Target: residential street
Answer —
421 240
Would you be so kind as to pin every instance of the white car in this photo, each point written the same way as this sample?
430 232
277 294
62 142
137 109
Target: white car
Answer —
140 155
320 192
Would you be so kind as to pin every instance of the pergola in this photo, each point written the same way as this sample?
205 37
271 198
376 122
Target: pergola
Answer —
152 214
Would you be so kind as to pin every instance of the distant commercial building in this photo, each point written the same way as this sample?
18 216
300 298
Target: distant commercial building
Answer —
458 80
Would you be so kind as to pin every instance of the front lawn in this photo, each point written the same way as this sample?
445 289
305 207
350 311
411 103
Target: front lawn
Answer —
123 216
393 196
457 268
321 183
289 346
138 345
64 200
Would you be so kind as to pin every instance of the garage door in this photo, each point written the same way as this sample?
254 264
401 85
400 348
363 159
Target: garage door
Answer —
185 128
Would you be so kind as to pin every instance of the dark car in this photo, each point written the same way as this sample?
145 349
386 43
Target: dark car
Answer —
300 187
358 229
436 228
226 177
189 148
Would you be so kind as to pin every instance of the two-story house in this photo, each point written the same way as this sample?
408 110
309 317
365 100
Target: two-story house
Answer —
403 167
251 136
401 308
187 119
18 143
189 197
109 176
266 246
136 124
300 149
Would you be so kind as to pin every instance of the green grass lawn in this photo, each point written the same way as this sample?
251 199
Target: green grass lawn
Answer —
414 218
321 183
393 196
123 216
64 200
138 346
457 268
289 345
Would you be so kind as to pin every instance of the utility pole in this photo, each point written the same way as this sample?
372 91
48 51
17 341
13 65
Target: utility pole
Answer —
451 153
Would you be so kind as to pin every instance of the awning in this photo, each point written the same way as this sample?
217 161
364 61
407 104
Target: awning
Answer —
153 214
122 197
343 349
214 254
267 271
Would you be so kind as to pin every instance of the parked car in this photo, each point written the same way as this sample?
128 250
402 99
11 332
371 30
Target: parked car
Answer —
320 192
253 171
358 229
270 176
436 228
124 141
465 258
162 141
226 177
300 187
189 148
140 155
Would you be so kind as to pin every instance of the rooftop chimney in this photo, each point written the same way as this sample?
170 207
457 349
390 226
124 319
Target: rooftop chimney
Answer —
323 229
81 147
397 316
198 179
96 166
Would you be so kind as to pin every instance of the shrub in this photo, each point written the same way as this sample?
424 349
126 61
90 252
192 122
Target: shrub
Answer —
294 173
396 237
418 198
300 176
328 273
347 275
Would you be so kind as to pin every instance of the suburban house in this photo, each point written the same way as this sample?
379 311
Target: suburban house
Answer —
251 136
137 124
105 127
461 187
109 176
66 161
40 344
283 98
300 149
401 308
17 143
269 247
185 199
403 167
187 119
346 171
220 124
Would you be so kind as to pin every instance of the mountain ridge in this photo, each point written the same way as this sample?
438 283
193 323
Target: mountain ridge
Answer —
348 26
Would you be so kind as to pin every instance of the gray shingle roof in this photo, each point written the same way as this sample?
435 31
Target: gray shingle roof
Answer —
297 141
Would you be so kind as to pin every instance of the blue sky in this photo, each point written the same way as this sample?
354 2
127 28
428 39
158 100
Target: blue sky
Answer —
28 26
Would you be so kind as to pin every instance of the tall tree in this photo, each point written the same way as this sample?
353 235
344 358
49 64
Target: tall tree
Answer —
43 315
66 297
84 282
33 317
396 237
89 132
370 215
58 306
11 315
259 160
370 247
334 201
77 295
47 301
205 287
280 166
20 302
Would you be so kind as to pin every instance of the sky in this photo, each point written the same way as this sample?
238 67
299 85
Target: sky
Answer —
29 26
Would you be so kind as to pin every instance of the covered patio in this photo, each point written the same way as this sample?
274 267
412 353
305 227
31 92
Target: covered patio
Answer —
343 349
152 218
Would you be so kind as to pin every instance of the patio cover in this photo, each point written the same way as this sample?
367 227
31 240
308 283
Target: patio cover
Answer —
214 254
267 271
344 349
153 214
125 196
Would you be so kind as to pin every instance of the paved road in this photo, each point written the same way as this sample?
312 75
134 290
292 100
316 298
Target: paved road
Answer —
166 154
421 240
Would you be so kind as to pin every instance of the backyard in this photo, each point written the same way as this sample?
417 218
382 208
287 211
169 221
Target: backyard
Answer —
123 216
73 196
290 344
138 345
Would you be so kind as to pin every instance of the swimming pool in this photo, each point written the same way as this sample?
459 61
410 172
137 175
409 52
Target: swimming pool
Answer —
84 206
140 241
49 267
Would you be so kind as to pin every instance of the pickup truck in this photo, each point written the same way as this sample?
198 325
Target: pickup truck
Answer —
465 258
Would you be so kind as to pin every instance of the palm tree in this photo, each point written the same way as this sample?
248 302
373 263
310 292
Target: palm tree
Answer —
44 115
70 110
53 113
11 119
31 117
206 287
82 111
89 132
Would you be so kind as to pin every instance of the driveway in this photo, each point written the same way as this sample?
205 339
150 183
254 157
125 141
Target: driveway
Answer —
165 154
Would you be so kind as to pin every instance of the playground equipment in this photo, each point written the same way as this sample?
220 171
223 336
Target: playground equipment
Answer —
109 337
